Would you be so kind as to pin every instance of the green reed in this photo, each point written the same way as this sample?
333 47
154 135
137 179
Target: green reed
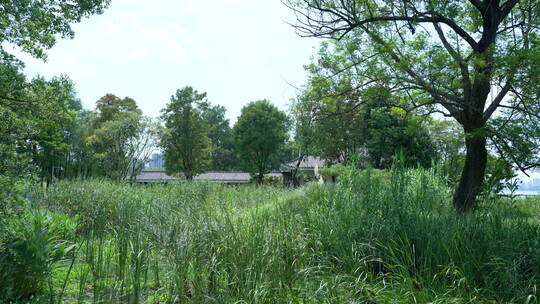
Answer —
374 237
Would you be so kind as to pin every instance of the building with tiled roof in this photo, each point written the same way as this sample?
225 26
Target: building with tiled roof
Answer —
301 170
295 172
227 177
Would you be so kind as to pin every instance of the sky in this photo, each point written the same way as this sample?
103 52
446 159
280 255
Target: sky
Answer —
237 51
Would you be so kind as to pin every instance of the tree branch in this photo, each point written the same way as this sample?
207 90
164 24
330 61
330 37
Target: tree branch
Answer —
322 27
507 7
479 5
497 101
503 154
462 64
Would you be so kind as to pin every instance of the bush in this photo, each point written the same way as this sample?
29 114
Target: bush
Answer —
31 246
12 201
274 181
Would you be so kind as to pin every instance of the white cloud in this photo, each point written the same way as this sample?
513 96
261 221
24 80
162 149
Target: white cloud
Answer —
235 50
140 40
198 6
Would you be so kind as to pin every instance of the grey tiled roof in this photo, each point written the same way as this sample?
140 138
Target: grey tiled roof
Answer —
226 177
148 176
308 162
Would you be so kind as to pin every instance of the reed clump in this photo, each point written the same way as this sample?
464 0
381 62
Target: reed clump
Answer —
374 237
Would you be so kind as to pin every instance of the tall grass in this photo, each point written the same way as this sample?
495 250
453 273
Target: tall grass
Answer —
375 237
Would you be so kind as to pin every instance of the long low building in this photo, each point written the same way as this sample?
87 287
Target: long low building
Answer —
227 177
154 177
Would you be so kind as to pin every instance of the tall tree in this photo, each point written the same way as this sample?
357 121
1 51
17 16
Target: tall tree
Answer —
185 142
109 107
390 132
220 134
44 112
54 112
32 25
261 130
81 161
450 146
15 128
465 59
14 162
141 146
115 127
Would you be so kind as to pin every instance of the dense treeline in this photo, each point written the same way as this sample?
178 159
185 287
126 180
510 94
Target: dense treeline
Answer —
52 136
49 134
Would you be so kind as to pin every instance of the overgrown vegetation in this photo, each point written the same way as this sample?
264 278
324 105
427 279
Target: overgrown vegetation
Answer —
374 237
385 235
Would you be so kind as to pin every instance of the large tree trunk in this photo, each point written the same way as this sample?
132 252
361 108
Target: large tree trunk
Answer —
473 173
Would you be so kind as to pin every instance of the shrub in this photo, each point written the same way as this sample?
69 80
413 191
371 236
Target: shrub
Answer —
12 201
31 246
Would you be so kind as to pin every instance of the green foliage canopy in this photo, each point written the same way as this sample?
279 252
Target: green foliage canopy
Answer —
184 139
222 138
336 118
116 128
39 118
261 130
33 25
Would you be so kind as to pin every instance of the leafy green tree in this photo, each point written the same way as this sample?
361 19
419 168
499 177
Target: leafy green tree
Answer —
222 138
13 132
54 112
184 139
33 25
44 112
390 132
327 117
260 132
81 161
327 129
141 146
15 129
465 59
335 119
109 107
450 146
116 124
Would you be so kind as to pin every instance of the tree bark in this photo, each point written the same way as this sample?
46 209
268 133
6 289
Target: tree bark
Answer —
473 173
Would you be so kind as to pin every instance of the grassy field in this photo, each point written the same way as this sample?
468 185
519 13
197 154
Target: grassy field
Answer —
375 237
